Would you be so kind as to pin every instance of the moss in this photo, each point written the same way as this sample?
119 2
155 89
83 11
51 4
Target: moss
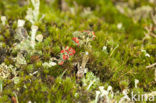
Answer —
2 38
118 64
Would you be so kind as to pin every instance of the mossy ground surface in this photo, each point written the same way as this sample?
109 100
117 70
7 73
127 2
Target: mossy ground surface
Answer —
119 65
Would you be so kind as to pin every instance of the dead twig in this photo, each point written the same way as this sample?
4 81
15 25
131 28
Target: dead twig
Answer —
149 32
151 66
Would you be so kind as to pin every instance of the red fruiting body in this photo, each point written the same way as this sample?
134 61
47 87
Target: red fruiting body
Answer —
62 51
65 57
76 40
61 63
71 50
86 31
74 51
90 33
93 34
65 54
70 54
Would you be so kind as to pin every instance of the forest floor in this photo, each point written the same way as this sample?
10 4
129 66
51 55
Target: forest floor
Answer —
77 51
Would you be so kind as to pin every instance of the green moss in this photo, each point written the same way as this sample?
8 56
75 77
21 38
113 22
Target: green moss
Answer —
119 64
